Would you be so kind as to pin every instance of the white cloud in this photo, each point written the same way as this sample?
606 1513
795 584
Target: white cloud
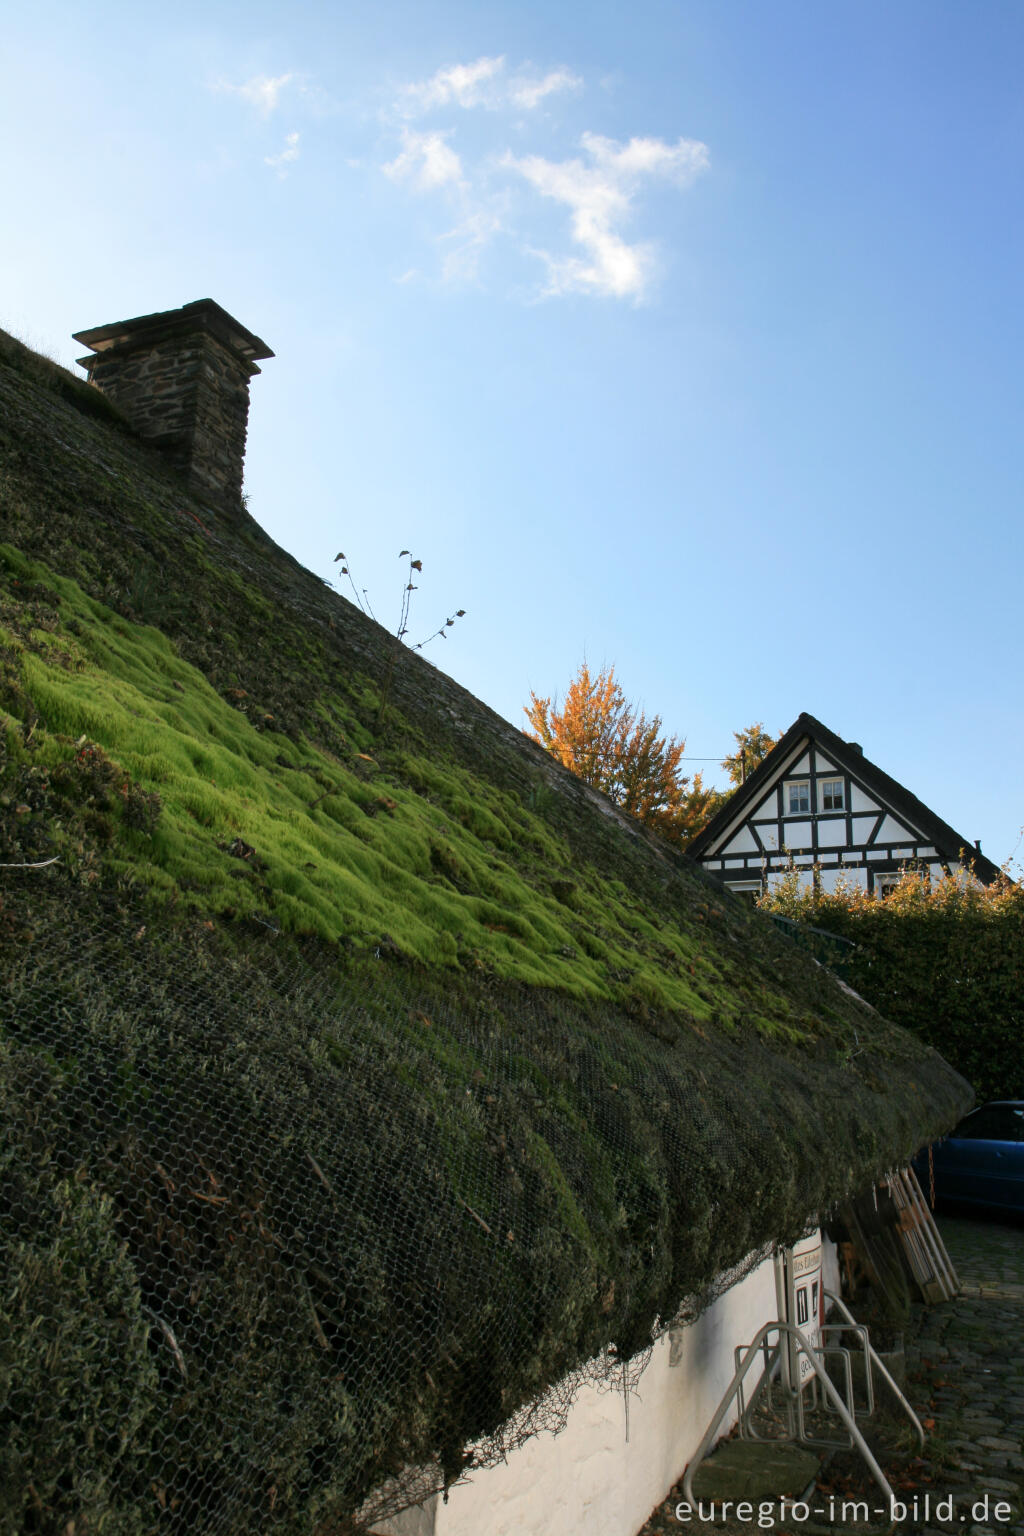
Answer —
599 195
426 160
530 93
681 162
483 84
465 244
262 91
465 85
598 186
289 154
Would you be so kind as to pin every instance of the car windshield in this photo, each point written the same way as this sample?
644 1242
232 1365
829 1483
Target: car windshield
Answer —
993 1122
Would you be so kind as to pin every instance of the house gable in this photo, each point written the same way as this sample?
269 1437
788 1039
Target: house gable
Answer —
818 803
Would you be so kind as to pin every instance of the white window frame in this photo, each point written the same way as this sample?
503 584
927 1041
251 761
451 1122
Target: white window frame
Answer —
790 784
892 877
823 785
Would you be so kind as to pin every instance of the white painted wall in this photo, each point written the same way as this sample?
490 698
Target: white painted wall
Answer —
804 880
859 801
589 1481
892 831
743 842
849 876
832 834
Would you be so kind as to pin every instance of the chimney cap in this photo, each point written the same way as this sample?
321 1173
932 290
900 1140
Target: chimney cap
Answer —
200 315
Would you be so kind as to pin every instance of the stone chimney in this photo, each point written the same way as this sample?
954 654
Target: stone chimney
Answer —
182 380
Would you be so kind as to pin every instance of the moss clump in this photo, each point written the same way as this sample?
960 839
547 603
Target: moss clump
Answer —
79 1386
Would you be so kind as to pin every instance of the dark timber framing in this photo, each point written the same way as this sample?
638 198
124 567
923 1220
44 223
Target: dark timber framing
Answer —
880 829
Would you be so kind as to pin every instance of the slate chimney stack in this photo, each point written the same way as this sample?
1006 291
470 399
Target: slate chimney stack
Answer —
182 379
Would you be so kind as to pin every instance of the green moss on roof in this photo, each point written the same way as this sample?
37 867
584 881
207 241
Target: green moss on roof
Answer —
399 847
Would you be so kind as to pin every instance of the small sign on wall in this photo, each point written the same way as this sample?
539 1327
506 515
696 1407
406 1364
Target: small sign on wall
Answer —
803 1300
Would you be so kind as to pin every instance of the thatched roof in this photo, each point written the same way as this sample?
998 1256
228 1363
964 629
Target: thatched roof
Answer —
360 1076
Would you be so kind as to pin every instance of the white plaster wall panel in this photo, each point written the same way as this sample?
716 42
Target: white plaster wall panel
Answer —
731 863
893 831
835 879
863 826
419 1521
803 765
925 853
720 841
743 842
937 871
797 834
832 834
859 801
713 864
768 805
588 1481
768 832
903 853
852 856
805 879
803 858
878 853
822 764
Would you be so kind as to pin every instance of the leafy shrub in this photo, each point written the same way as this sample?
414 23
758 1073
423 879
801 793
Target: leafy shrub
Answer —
944 958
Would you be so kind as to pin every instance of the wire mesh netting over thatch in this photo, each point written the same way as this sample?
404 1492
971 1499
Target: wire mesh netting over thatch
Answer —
276 1236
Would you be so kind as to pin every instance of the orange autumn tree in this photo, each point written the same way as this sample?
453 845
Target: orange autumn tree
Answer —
610 743
752 747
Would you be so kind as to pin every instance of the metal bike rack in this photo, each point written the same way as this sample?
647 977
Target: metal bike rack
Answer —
781 1359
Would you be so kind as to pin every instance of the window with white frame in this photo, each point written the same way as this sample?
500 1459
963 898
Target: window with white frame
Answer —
889 880
831 794
797 797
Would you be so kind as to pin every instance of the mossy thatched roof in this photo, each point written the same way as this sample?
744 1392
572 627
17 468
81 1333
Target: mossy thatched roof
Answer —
359 1077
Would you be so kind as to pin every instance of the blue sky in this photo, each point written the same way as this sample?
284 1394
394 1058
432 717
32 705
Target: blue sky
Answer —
684 337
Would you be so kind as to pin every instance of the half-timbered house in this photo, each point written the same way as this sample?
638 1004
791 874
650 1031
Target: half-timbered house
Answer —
817 803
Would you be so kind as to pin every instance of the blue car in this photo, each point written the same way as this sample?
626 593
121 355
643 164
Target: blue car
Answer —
981 1161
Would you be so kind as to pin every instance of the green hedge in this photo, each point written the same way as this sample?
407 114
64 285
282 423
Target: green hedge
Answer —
944 959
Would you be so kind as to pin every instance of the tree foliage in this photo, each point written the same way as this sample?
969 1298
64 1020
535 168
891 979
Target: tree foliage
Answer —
610 743
752 747
944 958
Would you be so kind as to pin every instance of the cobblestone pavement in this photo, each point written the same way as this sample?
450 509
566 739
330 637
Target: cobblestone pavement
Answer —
966 1366
965 1378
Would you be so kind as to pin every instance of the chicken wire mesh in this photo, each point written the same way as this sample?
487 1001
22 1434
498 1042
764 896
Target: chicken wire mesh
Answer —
285 1247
